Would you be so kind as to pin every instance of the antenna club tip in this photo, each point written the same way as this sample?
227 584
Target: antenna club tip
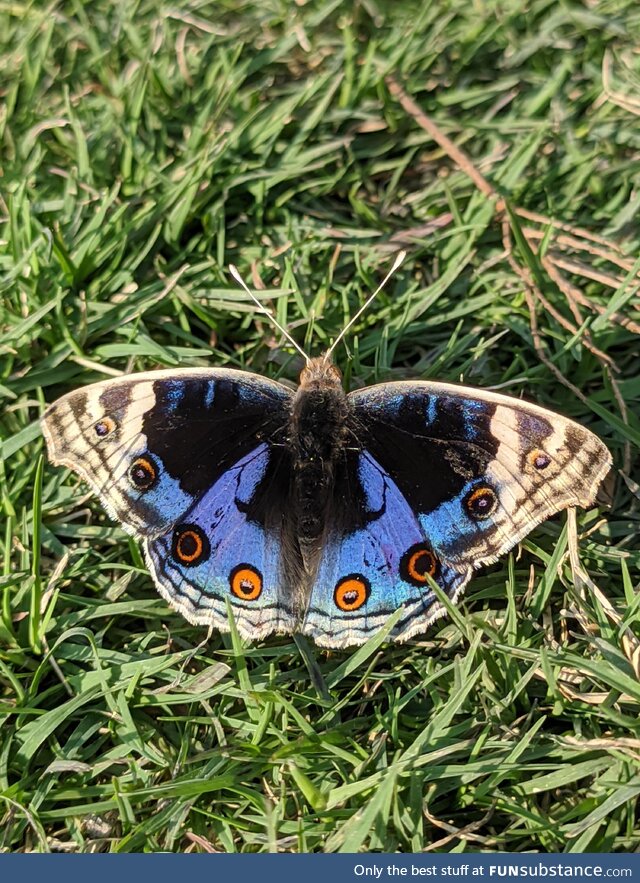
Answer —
399 258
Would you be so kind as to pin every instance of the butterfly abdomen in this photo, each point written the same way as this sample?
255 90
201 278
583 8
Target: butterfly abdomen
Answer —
319 424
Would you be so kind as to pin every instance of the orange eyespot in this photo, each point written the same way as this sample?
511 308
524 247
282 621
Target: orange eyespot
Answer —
104 427
418 564
538 459
352 592
143 473
190 545
481 502
246 582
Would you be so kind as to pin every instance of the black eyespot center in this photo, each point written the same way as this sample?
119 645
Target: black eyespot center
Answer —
539 459
104 427
189 544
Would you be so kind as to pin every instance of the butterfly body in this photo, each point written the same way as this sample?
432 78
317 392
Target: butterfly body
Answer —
319 430
319 511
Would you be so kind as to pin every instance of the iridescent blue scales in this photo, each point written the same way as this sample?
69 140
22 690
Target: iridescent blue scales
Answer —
313 511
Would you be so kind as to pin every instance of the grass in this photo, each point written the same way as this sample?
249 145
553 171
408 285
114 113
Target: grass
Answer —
145 147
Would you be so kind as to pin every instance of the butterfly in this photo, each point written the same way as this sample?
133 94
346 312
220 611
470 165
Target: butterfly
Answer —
316 511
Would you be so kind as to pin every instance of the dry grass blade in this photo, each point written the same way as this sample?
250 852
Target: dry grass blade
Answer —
582 581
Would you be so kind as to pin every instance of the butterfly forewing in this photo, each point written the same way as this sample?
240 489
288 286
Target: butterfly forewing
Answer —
480 469
151 444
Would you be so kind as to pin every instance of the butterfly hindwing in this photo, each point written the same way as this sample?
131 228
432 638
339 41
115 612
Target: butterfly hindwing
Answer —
381 563
223 550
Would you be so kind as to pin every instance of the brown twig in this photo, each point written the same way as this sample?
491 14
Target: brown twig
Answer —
579 232
573 293
564 241
587 272
457 155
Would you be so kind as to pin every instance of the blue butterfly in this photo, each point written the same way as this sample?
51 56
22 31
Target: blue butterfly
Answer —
317 511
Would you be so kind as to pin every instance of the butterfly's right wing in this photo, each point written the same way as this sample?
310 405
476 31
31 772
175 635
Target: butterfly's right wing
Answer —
447 479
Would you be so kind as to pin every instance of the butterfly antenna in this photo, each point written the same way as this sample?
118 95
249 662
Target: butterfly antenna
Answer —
399 259
236 275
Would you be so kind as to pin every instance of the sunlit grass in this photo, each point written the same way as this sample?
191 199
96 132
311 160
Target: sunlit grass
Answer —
144 149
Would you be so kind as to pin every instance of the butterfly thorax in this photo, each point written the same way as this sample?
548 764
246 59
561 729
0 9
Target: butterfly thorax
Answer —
319 425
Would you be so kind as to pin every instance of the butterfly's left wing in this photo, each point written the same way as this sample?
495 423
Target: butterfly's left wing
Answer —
228 548
193 462
447 479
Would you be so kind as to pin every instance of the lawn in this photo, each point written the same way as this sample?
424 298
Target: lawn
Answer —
147 145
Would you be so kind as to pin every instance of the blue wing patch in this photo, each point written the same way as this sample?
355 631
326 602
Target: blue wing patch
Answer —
217 553
365 575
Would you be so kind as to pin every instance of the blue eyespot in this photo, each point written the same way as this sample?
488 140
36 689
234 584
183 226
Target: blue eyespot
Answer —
143 473
481 502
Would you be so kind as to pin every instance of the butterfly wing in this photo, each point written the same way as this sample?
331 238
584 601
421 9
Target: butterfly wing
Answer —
186 460
151 444
465 474
228 547
373 562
